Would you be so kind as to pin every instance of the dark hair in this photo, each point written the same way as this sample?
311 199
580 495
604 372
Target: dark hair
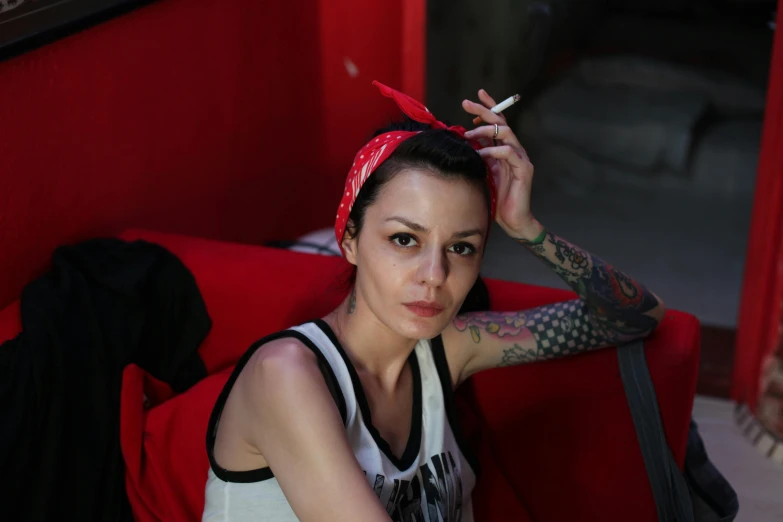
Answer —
444 154
440 151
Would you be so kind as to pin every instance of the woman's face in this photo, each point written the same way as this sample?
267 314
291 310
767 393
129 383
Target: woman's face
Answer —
419 251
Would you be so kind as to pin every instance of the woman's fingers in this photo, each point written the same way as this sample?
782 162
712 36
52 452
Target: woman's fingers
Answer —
486 115
489 101
514 157
505 134
501 178
486 99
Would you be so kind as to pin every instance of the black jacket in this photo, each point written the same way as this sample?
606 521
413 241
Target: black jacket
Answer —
104 304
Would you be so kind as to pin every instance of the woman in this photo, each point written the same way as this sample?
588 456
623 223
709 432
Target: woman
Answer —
345 418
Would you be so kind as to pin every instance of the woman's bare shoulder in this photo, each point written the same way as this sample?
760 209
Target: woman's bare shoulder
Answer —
278 378
291 418
276 370
283 354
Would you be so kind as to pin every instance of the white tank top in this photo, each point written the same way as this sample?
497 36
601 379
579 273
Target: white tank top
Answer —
432 481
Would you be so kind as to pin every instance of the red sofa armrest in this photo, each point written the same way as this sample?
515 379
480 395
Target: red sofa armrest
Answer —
562 430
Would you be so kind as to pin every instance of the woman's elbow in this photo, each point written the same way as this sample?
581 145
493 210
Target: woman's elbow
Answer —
652 319
659 312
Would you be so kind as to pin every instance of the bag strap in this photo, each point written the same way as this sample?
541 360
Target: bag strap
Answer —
672 497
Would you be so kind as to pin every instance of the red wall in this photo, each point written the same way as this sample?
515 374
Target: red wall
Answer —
235 120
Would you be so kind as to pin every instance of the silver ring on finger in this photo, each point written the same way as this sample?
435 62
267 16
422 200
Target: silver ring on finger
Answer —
496 132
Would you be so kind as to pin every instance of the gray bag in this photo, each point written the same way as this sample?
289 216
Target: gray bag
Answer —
697 494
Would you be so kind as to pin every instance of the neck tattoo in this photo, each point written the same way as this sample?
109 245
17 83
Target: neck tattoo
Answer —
352 301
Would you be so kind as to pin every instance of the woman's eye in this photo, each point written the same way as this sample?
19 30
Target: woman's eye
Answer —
403 240
463 249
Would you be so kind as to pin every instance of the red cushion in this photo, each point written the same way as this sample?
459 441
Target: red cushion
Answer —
175 452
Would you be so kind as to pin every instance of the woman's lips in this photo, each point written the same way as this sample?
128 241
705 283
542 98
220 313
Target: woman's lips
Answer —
424 308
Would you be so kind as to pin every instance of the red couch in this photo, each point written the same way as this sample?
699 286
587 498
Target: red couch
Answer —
555 440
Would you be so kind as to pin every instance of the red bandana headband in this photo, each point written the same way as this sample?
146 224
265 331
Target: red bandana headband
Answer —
374 153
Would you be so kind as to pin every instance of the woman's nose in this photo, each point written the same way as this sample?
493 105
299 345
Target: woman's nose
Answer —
433 268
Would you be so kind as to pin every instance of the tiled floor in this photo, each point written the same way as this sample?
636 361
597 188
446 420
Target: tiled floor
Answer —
757 481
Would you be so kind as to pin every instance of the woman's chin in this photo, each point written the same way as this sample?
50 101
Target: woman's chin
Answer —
423 327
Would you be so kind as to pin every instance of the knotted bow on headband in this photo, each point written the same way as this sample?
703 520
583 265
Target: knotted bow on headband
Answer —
374 153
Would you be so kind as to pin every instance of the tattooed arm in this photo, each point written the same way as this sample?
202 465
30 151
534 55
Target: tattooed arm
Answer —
611 309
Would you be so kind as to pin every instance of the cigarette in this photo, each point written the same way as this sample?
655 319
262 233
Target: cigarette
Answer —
500 107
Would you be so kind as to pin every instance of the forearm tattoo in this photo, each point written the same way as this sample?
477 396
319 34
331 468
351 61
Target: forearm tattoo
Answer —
611 309
614 301
546 332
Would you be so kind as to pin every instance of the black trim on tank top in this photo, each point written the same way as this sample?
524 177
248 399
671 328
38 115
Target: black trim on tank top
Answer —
261 474
442 365
414 439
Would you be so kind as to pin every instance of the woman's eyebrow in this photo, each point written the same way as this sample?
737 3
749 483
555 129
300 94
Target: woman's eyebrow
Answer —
468 233
420 228
408 223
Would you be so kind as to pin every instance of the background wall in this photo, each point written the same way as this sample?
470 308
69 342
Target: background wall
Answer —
473 45
237 122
